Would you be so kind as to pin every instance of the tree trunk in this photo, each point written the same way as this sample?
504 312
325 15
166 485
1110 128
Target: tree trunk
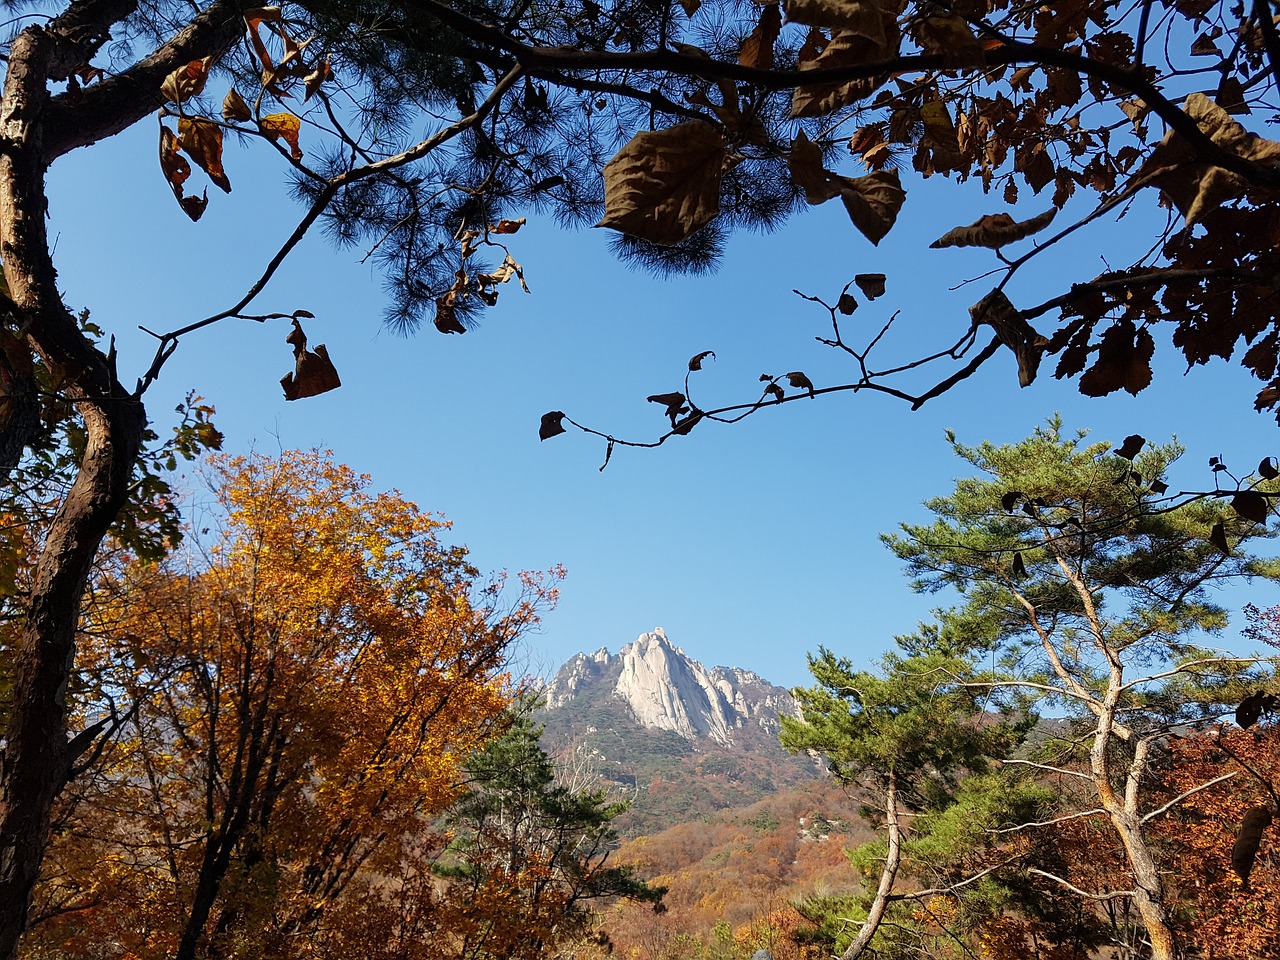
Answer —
888 874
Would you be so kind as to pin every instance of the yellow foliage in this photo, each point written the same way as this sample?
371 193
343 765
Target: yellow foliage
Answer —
305 687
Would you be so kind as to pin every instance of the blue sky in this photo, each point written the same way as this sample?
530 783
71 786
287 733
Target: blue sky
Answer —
750 544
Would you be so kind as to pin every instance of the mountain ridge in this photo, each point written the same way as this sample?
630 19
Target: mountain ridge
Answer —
680 740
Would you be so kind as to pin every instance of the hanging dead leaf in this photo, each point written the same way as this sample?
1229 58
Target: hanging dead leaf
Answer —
775 391
690 6
1195 187
757 49
683 427
1131 447
313 372
948 35
234 108
1251 505
799 381
940 140
313 80
664 185
1019 570
807 171
201 139
187 81
1268 468
873 202
446 320
847 304
1231 96
1218 537
283 126
1158 486
506 270
872 285
506 226
1011 499
845 49
1248 840
862 18
252 19
176 171
1205 47
995 230
695 362
674 402
551 425
1014 332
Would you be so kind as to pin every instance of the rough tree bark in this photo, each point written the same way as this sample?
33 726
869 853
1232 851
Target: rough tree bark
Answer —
35 128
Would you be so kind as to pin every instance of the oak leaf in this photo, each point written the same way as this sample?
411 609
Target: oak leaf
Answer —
994 230
949 35
1248 840
1124 361
664 185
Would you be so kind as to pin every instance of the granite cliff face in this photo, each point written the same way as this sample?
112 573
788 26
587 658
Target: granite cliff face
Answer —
678 740
665 689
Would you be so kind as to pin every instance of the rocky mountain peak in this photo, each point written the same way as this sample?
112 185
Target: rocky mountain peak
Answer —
665 689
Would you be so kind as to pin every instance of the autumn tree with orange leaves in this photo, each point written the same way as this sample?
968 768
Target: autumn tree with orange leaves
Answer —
300 693
673 124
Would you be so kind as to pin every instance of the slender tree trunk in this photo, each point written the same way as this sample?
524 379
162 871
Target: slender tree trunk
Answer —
888 874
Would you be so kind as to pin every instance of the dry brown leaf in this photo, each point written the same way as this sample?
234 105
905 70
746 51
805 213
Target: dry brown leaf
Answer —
254 17
873 202
286 126
315 78
940 137
872 285
506 226
234 108
949 35
757 49
1014 332
201 139
807 171
690 6
1195 187
177 170
446 320
664 185
994 231
313 372
865 18
187 81
845 49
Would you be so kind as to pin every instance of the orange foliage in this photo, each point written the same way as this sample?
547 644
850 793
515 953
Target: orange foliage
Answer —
299 698
1226 919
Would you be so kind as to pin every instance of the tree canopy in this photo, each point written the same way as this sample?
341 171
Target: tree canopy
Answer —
1087 597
